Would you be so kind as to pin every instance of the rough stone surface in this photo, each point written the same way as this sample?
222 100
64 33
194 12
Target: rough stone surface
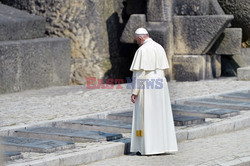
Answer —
94 28
34 145
159 11
66 134
243 73
240 9
32 64
135 21
196 34
191 7
197 7
19 25
189 67
162 33
229 43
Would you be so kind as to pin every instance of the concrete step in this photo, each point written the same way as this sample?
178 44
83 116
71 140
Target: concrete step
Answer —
20 25
65 134
205 112
105 125
239 96
12 155
34 64
22 144
217 103
179 120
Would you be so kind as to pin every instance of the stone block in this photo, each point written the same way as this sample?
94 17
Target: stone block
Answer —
196 34
229 42
94 28
181 120
191 7
204 112
135 21
22 144
105 125
243 73
65 134
162 33
159 11
245 54
189 67
218 103
19 25
33 64
159 32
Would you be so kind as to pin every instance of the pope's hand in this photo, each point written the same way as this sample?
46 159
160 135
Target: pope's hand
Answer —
133 97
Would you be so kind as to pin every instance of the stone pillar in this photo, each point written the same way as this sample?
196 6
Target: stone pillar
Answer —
216 65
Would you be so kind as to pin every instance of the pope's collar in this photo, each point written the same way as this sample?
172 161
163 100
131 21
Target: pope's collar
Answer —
147 40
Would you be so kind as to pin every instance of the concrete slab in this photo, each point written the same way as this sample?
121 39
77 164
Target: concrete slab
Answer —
66 134
34 64
180 120
20 25
104 125
205 112
227 104
237 96
11 155
22 144
122 116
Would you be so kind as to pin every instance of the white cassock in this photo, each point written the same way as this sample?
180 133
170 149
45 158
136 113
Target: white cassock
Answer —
152 111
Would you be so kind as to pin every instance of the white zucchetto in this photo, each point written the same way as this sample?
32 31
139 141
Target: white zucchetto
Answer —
141 31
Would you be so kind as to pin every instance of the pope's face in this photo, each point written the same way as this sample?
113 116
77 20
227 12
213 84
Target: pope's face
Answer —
139 40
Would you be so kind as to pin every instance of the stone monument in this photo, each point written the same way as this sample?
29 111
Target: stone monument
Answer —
194 33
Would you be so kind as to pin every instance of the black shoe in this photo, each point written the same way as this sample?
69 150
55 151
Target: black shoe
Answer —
138 153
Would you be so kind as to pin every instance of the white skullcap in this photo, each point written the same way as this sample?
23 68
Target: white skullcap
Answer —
141 31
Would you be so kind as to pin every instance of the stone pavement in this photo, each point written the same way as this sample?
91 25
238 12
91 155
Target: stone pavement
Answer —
220 150
52 105
58 103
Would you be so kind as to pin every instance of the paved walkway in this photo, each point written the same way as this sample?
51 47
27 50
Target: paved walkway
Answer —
58 103
69 102
219 150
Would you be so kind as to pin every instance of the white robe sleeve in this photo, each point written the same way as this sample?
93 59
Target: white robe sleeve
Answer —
137 84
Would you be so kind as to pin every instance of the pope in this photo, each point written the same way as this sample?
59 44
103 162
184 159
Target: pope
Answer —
153 129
